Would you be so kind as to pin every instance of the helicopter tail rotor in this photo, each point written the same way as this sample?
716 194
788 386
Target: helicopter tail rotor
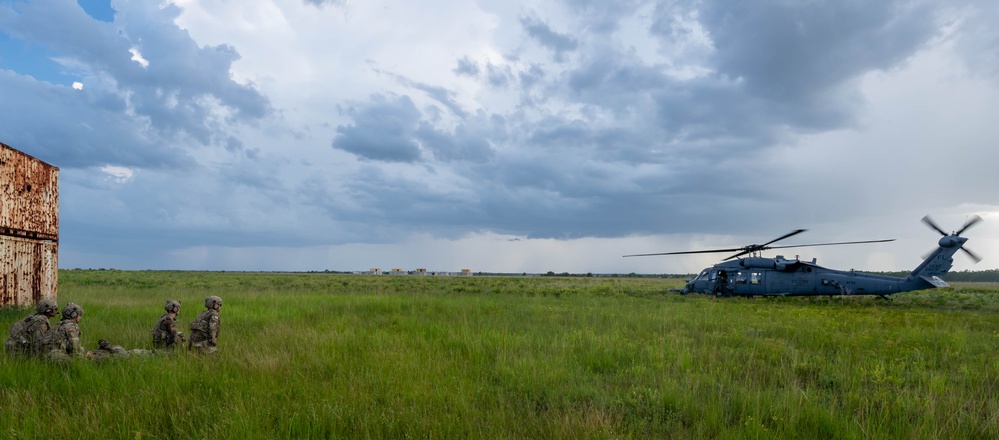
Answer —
967 224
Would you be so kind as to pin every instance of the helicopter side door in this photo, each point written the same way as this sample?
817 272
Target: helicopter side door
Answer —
750 282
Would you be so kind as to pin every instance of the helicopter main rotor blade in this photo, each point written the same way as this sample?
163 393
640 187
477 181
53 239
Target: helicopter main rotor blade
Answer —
742 250
971 222
832 244
736 255
685 252
930 223
791 234
762 247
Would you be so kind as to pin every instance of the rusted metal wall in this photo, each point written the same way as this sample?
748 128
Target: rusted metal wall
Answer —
29 196
29 228
28 271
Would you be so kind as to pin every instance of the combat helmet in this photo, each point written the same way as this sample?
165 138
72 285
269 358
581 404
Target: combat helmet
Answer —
46 306
71 311
172 306
212 301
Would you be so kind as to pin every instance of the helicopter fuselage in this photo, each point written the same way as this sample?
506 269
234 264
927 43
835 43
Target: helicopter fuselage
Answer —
779 276
783 277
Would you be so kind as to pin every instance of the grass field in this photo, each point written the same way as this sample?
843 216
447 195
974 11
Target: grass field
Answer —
356 356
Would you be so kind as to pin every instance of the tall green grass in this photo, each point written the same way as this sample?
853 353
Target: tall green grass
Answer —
352 356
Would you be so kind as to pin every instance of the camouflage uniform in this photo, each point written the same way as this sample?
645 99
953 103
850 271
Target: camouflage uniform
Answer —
205 328
107 351
165 334
62 343
27 336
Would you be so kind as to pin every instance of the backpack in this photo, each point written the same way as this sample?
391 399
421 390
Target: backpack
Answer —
19 330
200 324
18 342
162 334
55 339
157 333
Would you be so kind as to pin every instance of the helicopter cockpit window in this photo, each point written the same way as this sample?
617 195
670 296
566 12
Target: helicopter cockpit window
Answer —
712 275
702 275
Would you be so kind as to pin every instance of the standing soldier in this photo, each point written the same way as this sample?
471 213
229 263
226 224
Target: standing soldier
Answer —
205 328
28 335
165 334
62 343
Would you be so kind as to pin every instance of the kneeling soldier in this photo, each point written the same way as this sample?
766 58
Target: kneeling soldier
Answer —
27 336
165 334
62 343
205 328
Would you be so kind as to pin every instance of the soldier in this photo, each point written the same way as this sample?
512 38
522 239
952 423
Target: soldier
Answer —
165 334
28 335
107 350
62 343
205 328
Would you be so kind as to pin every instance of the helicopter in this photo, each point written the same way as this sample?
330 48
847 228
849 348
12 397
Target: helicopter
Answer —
755 275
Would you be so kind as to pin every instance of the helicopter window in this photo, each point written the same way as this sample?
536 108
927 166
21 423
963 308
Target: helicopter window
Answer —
712 276
740 278
754 278
703 275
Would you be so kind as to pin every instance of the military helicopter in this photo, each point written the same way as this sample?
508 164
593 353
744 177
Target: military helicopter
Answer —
755 275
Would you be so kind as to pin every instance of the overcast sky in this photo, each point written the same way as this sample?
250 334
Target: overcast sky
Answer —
505 136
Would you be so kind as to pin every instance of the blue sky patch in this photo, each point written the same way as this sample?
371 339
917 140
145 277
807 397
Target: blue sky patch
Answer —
98 9
32 60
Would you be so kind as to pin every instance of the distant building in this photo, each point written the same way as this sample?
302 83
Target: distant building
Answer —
422 271
29 229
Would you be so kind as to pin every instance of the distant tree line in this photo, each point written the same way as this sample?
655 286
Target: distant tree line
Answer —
617 275
991 275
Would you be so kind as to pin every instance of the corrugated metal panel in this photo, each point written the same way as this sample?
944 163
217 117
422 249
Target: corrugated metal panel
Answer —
28 270
29 196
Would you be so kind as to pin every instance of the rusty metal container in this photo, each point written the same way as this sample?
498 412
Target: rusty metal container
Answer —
28 271
29 228
29 196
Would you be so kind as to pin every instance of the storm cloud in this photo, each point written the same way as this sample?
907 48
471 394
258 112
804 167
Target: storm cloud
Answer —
284 135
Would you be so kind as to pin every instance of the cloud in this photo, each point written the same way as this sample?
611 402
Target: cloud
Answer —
173 92
322 3
117 174
384 130
137 57
467 66
801 59
304 129
543 34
